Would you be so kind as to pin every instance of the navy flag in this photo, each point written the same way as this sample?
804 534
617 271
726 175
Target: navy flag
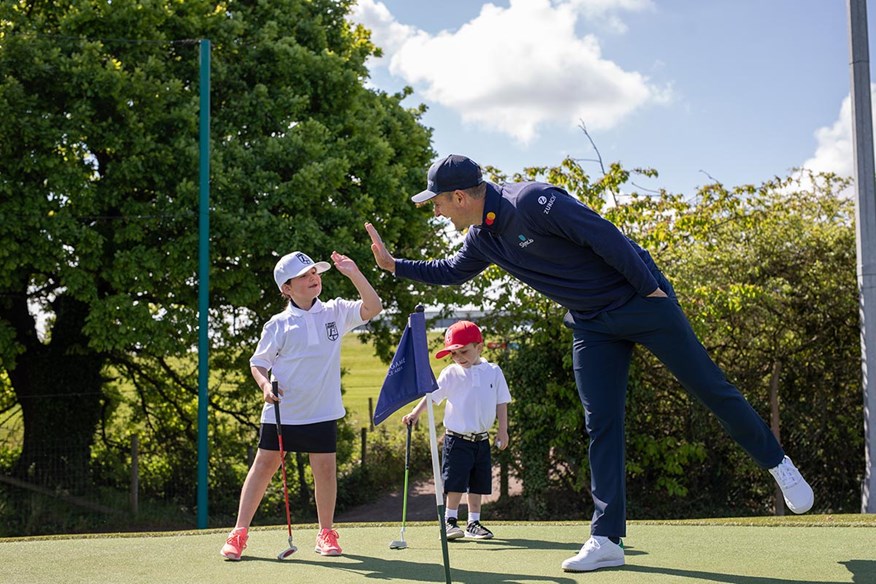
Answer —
409 376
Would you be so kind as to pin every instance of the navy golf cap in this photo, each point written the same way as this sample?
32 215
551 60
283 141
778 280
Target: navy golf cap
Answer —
449 174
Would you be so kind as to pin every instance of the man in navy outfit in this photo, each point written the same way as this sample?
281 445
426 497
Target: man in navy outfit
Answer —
616 297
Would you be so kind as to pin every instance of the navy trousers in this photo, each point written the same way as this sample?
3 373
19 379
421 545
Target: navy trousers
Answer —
602 349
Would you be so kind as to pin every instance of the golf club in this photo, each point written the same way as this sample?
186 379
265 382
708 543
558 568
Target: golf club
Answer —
400 544
291 549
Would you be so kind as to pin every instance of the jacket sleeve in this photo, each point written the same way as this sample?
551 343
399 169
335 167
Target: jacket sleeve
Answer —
462 267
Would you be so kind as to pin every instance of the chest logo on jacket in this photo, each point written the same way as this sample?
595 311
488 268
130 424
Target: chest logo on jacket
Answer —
547 203
331 331
524 241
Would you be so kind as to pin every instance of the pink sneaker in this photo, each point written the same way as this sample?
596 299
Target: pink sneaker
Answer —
327 543
235 544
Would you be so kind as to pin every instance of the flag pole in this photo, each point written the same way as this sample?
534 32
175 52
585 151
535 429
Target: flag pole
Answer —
409 377
439 488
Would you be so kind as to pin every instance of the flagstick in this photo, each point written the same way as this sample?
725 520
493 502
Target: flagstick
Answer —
439 489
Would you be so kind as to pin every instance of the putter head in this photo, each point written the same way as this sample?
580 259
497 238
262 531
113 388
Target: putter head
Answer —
397 545
287 552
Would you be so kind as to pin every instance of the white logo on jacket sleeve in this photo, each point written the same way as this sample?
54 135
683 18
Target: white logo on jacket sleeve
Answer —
550 203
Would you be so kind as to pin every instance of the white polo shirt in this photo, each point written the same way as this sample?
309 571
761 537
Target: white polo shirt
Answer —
302 350
472 396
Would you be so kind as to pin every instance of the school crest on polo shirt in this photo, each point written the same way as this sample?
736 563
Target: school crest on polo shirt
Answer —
331 331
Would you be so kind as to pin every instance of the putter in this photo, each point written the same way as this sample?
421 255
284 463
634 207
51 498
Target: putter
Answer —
400 544
291 549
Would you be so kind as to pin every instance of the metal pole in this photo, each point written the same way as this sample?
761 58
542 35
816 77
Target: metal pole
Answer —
865 221
439 490
203 279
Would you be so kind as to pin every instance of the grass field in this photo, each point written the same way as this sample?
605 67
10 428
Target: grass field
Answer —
364 377
806 550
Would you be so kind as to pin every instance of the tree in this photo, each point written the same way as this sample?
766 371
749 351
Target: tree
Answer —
98 210
768 279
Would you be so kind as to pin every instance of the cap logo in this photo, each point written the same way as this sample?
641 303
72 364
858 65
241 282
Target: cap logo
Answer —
303 259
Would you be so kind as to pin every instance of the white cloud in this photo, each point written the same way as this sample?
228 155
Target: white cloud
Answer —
386 32
517 69
834 150
605 11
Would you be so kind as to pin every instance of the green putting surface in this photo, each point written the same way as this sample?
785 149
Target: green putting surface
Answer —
812 552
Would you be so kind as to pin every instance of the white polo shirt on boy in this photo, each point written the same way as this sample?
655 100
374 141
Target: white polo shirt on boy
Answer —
302 349
472 396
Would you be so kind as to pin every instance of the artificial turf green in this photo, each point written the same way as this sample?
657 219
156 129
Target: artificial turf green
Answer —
820 551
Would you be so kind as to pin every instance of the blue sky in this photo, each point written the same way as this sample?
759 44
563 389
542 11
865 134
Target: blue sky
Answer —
737 90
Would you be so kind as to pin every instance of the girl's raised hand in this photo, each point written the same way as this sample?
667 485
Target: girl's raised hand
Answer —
344 265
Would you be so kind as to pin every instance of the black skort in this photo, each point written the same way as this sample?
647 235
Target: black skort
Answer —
320 437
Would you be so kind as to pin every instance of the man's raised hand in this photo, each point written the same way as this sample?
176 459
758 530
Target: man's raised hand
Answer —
381 256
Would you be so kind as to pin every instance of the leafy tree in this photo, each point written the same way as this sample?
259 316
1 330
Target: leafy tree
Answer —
98 213
768 278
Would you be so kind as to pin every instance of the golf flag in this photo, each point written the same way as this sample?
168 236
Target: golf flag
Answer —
409 376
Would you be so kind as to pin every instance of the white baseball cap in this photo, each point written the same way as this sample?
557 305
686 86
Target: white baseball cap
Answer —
293 265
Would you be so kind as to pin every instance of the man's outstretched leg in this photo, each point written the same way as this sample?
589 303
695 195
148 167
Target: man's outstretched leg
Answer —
673 341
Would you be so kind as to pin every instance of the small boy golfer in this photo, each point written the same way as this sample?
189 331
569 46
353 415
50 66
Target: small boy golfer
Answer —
476 394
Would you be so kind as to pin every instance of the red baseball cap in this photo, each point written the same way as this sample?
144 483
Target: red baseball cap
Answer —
459 334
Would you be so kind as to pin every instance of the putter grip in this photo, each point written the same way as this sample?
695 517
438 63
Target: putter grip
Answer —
275 389
408 446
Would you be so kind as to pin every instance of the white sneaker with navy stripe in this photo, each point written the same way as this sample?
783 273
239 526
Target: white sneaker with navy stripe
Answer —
597 552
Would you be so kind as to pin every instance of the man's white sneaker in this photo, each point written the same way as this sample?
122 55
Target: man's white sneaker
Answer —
797 492
597 552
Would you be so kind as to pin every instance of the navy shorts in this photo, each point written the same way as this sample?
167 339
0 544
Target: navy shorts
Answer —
319 437
467 466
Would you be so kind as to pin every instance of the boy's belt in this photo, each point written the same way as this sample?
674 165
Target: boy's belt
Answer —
470 436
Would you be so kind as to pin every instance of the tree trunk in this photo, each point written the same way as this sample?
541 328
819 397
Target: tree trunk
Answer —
59 387
775 425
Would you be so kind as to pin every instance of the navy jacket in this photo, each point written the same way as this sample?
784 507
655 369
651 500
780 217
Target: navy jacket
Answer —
549 240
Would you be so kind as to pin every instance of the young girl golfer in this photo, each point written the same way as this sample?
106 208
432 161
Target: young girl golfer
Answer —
300 348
